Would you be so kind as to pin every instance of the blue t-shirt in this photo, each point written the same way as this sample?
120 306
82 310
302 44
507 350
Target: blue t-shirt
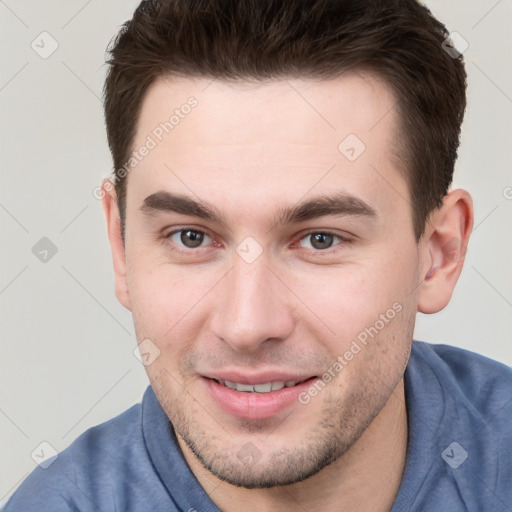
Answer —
459 454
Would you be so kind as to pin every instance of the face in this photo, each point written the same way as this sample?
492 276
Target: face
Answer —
269 243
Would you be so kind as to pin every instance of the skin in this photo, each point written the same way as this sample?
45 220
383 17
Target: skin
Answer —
247 150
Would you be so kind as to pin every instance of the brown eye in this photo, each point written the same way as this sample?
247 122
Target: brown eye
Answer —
319 241
189 238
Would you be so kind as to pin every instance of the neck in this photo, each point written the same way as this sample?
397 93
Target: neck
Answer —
366 478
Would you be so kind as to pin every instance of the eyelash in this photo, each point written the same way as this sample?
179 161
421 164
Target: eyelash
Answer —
342 240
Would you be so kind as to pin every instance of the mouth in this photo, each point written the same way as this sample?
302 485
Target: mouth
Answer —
256 398
266 387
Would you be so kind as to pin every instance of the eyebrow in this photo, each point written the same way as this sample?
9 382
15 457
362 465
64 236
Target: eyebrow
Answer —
320 206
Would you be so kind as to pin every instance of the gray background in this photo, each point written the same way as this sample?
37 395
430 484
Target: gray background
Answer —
67 344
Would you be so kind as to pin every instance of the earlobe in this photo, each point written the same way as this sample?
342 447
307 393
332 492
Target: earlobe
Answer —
445 242
111 210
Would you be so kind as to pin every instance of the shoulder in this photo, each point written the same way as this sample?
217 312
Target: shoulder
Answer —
460 448
474 404
486 383
77 478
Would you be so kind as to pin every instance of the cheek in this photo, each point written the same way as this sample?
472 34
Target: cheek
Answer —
353 297
168 301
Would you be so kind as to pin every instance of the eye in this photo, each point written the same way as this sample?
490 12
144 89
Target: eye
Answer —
189 238
320 240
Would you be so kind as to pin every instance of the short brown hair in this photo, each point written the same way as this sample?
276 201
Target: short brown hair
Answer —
400 40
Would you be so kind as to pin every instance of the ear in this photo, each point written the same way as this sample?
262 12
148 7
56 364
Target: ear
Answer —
109 203
445 241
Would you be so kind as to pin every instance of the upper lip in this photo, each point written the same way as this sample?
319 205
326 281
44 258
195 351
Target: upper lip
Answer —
256 378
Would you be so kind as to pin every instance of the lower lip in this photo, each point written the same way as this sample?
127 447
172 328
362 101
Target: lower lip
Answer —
254 406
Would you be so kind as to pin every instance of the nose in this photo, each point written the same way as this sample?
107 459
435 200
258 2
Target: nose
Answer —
252 307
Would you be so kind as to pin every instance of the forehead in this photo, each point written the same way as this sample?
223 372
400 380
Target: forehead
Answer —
273 140
309 110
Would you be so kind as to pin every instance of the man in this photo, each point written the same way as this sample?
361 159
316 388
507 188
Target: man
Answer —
280 211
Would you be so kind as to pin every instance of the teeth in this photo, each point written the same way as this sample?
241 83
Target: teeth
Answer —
258 388
263 388
244 387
